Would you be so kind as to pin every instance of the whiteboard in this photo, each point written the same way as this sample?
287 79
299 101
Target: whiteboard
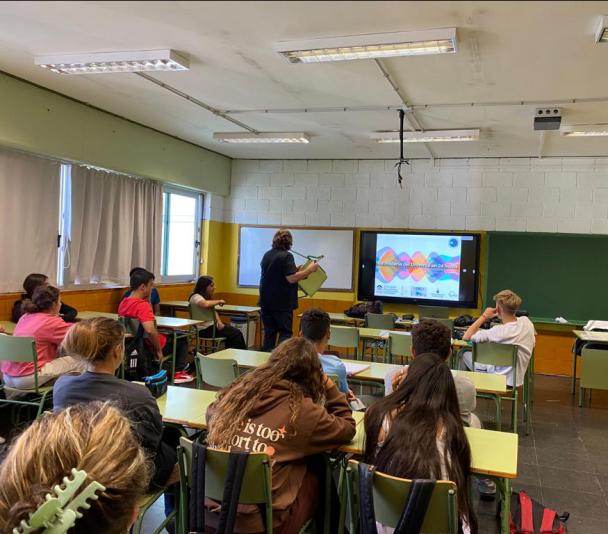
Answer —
335 245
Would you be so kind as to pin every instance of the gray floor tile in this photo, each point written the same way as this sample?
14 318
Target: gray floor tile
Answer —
556 457
578 504
555 478
528 474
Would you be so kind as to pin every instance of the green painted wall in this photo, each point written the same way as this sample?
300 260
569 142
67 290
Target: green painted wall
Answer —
43 122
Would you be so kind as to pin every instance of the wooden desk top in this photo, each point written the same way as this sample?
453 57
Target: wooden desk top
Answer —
486 382
493 453
598 337
185 406
8 326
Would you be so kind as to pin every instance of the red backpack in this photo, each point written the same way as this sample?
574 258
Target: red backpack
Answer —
531 517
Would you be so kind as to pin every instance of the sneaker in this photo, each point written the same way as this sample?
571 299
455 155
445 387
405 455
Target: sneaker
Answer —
487 489
181 377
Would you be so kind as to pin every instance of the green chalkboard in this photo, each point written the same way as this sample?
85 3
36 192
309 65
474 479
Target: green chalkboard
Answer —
555 274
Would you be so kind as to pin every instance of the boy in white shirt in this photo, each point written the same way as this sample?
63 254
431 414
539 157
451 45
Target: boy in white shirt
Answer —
513 331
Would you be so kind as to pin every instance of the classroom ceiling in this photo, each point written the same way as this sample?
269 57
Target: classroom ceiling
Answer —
508 52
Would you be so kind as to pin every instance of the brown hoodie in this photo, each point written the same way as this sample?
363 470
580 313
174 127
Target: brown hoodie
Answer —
316 429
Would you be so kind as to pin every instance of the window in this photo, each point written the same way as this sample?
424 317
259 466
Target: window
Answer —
182 215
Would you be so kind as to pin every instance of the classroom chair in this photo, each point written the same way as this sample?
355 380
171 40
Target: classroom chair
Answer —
594 372
206 345
390 496
256 487
399 345
146 364
501 354
145 503
216 372
23 350
433 312
380 321
345 337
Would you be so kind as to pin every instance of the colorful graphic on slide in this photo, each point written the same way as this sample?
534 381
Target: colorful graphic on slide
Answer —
418 266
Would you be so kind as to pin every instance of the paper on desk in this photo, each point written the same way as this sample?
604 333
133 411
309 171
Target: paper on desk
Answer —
596 325
355 368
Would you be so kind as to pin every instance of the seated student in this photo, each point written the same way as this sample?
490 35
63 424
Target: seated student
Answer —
31 282
513 330
202 296
154 296
315 326
301 411
432 336
99 344
94 438
138 307
41 321
417 432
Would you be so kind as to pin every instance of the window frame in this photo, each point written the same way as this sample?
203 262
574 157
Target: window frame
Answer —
199 199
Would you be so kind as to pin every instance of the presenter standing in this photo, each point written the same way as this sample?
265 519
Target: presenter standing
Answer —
279 289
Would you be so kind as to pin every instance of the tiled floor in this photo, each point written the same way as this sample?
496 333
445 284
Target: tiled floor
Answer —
562 463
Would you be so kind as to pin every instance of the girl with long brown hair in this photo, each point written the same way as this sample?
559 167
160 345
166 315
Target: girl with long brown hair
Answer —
290 410
417 432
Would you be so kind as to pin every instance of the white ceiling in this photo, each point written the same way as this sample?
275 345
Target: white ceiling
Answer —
508 51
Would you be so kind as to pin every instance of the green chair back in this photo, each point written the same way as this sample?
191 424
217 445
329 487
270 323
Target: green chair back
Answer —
400 345
449 323
257 480
433 312
345 337
594 369
390 496
21 350
382 321
216 372
501 354
202 314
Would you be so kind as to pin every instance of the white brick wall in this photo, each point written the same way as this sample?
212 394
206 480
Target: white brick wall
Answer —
567 195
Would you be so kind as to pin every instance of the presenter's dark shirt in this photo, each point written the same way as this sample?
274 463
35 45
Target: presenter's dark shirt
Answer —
276 293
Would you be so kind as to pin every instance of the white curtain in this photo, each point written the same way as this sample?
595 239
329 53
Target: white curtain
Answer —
116 225
29 218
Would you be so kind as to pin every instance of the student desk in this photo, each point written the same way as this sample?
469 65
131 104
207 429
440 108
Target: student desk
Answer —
494 454
8 326
229 310
586 337
377 334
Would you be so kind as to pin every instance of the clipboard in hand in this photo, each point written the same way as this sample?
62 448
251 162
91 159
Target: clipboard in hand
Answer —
309 286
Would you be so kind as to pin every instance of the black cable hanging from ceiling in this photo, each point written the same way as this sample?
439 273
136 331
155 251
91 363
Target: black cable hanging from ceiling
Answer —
402 160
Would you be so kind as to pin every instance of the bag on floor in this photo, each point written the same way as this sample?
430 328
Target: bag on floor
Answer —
531 517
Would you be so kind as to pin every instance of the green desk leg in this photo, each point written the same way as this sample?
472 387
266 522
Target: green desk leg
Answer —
574 372
506 507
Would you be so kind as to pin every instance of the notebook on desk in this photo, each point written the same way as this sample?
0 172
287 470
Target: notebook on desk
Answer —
355 368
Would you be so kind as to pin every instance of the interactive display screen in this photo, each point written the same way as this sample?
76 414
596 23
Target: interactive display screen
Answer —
439 269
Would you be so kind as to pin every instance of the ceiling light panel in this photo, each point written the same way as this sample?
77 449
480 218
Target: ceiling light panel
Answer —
369 46
585 130
428 136
112 62
262 137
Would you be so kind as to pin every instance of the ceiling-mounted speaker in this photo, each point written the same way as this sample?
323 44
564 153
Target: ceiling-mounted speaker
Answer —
547 118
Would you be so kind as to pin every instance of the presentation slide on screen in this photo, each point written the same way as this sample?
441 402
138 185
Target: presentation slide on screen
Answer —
418 266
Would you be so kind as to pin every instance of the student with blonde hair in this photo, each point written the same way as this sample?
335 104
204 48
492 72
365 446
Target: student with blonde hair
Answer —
99 344
512 330
94 438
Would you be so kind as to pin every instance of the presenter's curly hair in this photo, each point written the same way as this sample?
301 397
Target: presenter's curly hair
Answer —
282 239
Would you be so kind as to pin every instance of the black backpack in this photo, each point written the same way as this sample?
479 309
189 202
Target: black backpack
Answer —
531 517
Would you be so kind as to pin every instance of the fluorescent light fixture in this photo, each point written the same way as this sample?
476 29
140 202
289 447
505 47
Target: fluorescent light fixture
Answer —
601 35
427 136
369 46
585 130
109 62
262 137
